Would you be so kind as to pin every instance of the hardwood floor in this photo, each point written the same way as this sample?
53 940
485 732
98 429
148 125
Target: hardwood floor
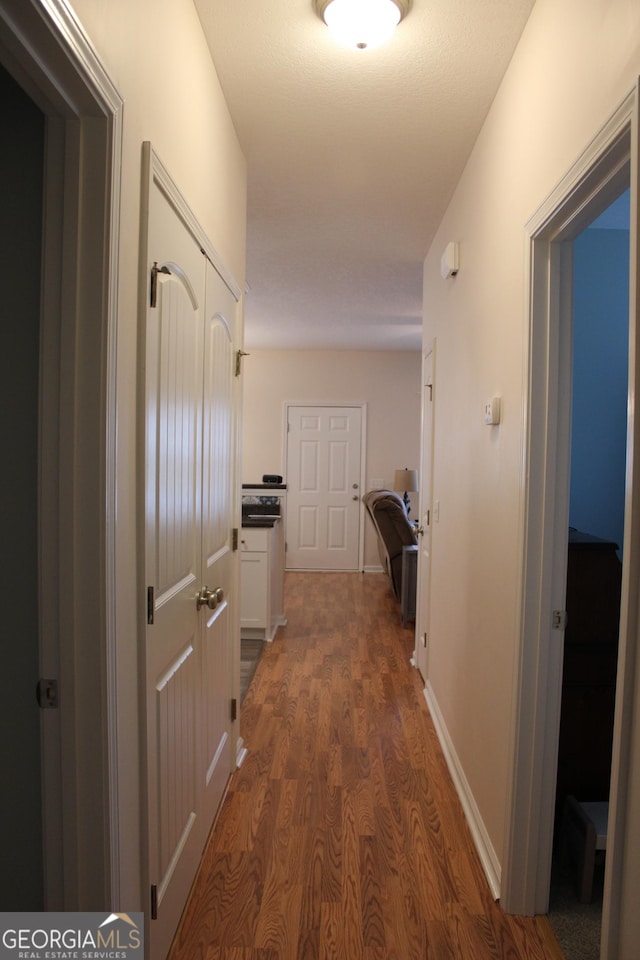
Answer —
341 835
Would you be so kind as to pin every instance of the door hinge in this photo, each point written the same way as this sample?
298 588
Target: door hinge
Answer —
559 619
207 257
234 709
239 355
424 640
153 293
47 694
151 604
154 901
234 538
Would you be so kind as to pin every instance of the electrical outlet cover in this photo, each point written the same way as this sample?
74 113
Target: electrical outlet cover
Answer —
492 411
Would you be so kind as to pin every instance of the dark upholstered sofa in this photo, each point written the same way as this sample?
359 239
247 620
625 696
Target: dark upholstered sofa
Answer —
394 531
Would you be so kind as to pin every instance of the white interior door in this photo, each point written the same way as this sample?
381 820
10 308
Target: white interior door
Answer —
189 420
324 449
217 513
173 562
426 516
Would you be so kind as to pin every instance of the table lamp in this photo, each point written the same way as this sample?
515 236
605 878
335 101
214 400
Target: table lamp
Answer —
407 481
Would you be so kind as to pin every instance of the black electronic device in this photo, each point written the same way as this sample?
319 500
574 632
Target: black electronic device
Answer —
271 478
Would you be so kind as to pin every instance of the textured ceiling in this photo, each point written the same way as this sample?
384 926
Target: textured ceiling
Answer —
352 158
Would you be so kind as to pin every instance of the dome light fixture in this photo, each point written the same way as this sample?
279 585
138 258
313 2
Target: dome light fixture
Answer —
362 24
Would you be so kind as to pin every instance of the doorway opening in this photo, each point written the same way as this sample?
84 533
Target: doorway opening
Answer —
22 176
599 177
599 377
423 593
46 52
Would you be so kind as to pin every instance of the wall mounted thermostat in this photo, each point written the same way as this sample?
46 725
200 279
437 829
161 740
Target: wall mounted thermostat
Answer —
492 411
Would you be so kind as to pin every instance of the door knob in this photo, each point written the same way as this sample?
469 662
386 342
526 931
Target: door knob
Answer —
207 598
219 593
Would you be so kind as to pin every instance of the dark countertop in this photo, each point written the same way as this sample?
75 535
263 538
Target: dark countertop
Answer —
264 486
259 521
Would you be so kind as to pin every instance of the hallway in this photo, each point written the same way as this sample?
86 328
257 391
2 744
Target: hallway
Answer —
341 834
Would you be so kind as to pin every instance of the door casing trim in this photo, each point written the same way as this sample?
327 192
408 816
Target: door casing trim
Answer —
46 49
587 188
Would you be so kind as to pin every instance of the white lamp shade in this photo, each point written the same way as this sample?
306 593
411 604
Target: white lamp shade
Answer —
362 24
405 481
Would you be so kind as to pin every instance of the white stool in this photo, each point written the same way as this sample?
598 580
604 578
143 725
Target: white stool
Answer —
584 832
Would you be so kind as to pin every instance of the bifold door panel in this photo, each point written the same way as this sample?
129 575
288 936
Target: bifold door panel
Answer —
189 436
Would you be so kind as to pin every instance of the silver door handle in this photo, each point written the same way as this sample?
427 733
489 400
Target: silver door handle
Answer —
207 598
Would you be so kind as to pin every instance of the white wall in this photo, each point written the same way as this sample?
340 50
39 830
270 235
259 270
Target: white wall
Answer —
576 61
388 382
156 55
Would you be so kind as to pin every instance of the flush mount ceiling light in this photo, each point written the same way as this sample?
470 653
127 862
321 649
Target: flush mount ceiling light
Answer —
362 24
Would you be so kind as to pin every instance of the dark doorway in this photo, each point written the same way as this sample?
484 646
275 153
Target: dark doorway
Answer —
600 357
22 175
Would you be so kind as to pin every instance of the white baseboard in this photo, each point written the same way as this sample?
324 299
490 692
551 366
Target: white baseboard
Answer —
373 568
486 852
241 751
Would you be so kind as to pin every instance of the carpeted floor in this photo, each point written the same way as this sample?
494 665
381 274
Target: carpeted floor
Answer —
576 925
250 653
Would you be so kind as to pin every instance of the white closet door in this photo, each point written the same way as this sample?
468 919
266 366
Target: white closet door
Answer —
217 518
189 421
173 561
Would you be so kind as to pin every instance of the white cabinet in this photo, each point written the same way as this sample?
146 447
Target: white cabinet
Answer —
261 581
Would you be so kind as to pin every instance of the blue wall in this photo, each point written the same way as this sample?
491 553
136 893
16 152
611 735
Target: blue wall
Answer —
600 357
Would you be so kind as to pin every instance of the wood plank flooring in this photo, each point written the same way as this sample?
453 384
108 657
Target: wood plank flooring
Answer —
341 835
